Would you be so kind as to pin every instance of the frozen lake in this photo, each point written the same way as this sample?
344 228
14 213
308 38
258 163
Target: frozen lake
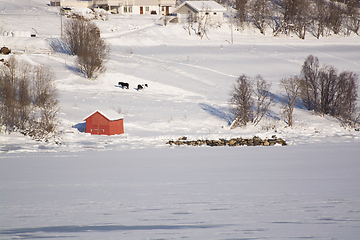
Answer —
291 192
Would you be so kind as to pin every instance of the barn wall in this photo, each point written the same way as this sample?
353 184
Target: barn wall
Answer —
97 124
116 127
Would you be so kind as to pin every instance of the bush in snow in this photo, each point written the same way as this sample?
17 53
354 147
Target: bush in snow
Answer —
83 39
28 100
88 14
245 98
241 98
325 91
291 87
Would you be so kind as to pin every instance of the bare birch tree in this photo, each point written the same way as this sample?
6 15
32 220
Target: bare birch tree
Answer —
291 87
189 21
203 21
241 99
263 98
346 97
327 89
309 83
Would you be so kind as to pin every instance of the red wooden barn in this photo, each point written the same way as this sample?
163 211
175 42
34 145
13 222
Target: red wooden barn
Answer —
107 122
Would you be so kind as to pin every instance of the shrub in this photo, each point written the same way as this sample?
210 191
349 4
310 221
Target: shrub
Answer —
28 100
83 39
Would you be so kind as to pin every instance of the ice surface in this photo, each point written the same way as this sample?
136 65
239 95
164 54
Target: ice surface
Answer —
289 192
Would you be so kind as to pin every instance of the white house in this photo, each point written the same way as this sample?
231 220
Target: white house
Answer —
159 7
197 9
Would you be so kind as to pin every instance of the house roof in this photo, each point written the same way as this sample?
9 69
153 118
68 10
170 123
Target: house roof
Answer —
110 114
201 6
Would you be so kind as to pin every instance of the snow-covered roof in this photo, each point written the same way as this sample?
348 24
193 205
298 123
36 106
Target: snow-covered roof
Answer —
110 114
201 6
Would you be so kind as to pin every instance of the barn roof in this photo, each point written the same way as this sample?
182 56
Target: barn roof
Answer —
110 114
201 6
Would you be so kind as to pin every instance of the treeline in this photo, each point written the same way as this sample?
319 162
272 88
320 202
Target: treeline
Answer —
321 89
28 100
317 17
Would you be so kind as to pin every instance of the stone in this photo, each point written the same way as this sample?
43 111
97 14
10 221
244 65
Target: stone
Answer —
255 141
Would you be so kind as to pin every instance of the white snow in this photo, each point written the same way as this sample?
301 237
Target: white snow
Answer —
109 114
133 185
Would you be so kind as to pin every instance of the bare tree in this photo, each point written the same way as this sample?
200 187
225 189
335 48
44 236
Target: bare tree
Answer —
291 86
75 35
28 99
302 18
353 16
327 89
241 99
24 95
335 17
289 12
203 21
296 17
91 59
346 97
7 102
309 83
276 18
263 98
322 17
260 11
189 21
44 123
326 92
8 88
319 14
83 39
240 6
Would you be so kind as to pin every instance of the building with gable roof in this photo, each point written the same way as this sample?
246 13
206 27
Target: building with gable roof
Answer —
195 10
107 122
159 7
